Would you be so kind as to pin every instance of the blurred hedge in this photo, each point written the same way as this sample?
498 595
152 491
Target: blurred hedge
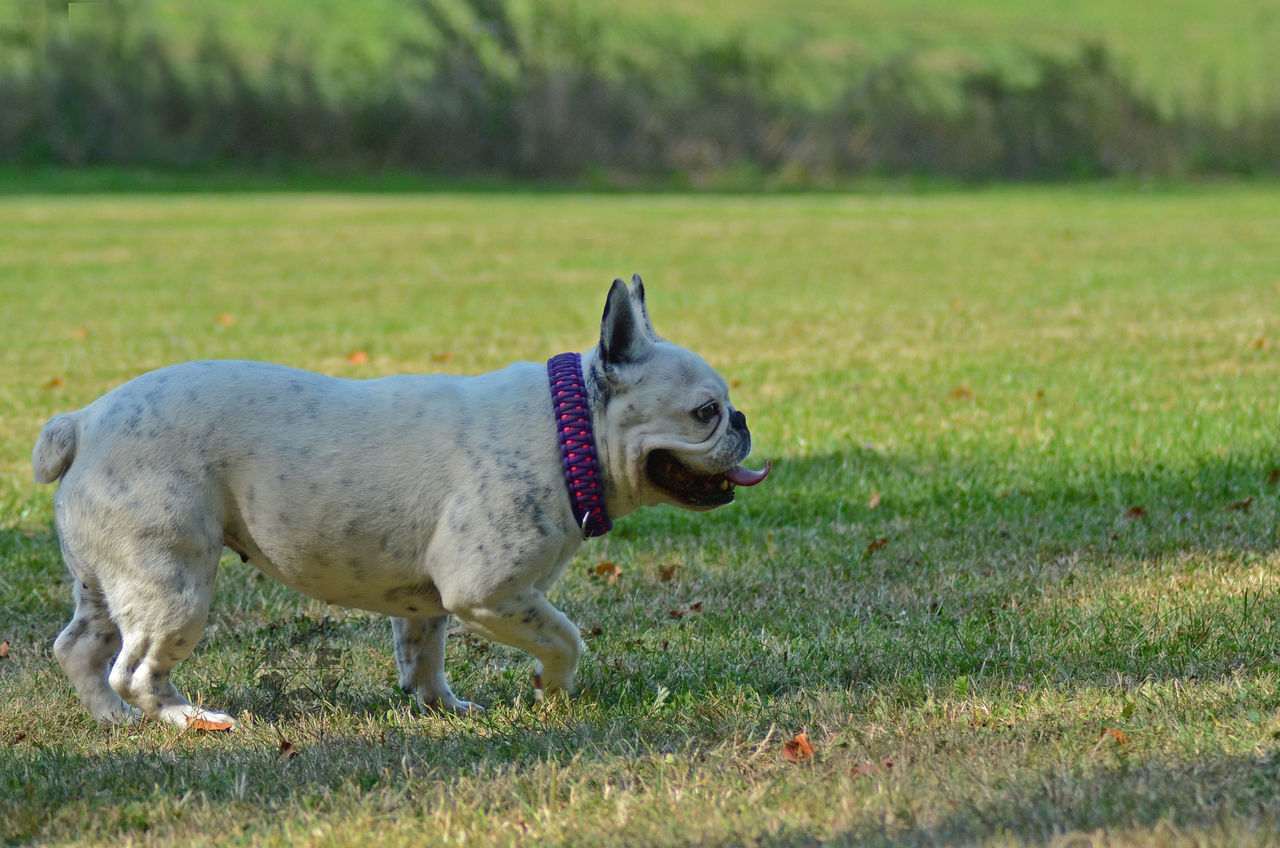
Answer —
493 97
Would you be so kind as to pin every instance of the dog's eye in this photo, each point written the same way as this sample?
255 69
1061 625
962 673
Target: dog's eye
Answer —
707 411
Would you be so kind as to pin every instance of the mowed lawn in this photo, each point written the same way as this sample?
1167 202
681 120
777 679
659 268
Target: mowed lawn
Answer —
1014 576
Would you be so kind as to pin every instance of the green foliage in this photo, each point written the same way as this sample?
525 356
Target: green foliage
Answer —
532 90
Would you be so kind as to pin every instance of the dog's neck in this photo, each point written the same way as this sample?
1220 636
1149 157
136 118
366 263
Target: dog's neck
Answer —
577 444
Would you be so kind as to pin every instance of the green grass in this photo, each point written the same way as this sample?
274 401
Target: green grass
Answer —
1191 53
1012 370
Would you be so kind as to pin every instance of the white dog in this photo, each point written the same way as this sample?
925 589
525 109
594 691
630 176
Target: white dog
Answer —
415 496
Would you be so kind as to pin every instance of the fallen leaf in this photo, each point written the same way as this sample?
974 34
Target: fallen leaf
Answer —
610 571
1273 476
1110 734
798 748
358 357
1242 506
4 650
1260 343
55 383
667 573
693 609
287 750
226 319
444 356
1133 513
962 392
875 500
80 333
195 723
870 769
877 544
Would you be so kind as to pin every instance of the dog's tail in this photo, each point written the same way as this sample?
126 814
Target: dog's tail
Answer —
56 448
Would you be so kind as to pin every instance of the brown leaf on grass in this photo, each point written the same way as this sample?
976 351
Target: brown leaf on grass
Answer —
1133 513
1242 506
358 357
4 650
610 571
961 392
692 609
80 333
225 319
870 769
875 500
1273 476
667 573
797 748
287 750
55 383
876 544
1110 734
204 724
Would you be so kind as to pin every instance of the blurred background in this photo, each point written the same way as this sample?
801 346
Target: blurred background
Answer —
642 93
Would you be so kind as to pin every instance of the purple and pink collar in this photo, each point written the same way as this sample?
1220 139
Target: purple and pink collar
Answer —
577 444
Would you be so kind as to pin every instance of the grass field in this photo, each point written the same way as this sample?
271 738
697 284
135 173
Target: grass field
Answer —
1015 574
1196 53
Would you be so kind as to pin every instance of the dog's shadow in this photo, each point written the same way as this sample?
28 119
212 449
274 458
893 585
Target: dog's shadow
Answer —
860 567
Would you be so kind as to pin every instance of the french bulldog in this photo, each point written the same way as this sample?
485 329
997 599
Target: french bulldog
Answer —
418 496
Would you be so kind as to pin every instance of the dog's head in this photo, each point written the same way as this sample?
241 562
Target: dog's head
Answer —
665 428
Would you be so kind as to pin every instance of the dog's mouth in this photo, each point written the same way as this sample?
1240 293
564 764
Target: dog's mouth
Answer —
695 489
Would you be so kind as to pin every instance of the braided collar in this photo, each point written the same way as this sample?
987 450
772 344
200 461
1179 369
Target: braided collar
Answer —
577 445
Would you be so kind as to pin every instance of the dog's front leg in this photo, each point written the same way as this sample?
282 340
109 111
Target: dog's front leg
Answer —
419 649
528 621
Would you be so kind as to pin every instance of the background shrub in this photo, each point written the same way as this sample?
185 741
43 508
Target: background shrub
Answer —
498 94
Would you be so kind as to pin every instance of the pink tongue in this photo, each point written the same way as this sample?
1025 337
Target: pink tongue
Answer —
746 477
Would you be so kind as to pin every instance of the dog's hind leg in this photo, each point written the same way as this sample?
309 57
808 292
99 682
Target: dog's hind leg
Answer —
85 649
161 611
419 649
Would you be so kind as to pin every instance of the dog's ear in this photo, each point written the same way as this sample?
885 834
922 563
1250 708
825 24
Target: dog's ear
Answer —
625 335
637 296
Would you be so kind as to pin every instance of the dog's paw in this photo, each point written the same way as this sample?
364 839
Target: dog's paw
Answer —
125 716
189 716
454 706
550 692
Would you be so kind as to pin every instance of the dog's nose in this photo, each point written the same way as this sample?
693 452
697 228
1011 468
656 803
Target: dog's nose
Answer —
738 420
